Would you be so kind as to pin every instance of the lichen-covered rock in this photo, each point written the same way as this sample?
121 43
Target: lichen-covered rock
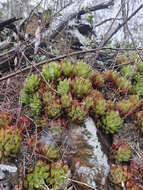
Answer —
88 161
51 71
112 122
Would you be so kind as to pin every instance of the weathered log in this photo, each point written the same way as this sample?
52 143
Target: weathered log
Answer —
9 23
77 14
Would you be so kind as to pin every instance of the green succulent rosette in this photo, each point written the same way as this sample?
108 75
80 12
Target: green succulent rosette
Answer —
10 142
53 109
140 66
63 87
36 178
35 105
128 71
59 171
112 122
51 71
66 100
81 69
67 67
31 83
78 112
81 87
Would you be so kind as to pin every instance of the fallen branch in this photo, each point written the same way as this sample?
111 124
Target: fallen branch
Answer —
8 22
48 61
106 20
64 56
62 24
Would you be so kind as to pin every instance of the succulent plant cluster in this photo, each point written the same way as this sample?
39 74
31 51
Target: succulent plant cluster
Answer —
122 59
58 174
98 79
136 167
53 175
118 174
139 116
112 122
128 71
10 136
70 90
121 152
36 178
66 91
129 176
121 83
5 119
63 91
132 185
135 74
49 150
10 142
128 106
138 83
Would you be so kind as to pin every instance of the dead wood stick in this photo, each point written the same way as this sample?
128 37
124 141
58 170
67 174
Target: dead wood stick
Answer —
47 61
64 56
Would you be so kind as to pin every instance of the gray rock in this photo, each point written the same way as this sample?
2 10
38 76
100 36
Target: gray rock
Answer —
89 161
2 175
10 169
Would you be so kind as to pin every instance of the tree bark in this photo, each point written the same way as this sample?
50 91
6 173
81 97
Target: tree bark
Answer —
124 16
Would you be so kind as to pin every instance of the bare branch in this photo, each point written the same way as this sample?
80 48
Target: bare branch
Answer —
121 25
